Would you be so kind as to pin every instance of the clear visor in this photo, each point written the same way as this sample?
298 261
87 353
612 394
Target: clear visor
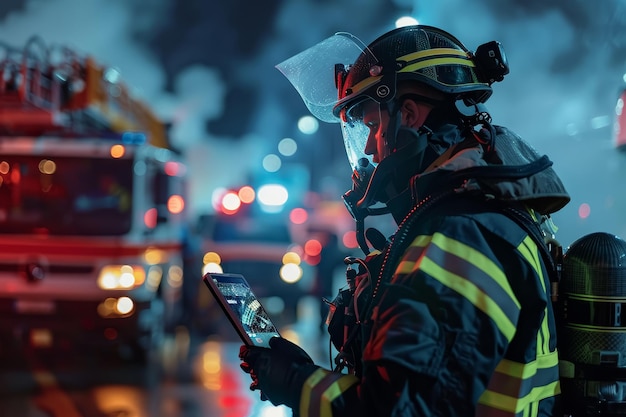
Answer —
312 72
363 129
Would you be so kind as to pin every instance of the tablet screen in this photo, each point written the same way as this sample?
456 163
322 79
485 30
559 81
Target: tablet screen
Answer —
244 309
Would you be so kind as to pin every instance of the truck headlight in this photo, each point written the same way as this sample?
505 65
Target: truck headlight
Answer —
121 277
291 271
116 307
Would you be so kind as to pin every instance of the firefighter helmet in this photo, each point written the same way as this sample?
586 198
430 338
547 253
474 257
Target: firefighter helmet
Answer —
420 53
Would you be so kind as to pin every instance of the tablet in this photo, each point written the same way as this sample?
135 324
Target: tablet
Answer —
243 309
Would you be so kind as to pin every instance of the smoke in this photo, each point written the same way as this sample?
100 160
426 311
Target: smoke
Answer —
99 28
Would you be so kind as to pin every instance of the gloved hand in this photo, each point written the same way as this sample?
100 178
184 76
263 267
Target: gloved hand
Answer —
279 372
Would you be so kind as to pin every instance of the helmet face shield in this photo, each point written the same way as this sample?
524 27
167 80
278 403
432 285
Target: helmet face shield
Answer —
362 127
311 72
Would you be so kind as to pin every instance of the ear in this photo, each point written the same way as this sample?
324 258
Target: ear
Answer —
413 115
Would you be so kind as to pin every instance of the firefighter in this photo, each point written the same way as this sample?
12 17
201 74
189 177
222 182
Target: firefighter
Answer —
451 315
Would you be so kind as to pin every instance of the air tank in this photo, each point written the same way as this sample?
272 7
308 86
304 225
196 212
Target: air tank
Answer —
591 326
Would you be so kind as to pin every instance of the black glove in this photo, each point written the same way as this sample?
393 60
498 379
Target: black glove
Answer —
279 372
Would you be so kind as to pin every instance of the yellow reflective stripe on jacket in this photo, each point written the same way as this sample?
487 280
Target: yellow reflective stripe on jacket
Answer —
515 387
468 272
528 249
496 405
319 391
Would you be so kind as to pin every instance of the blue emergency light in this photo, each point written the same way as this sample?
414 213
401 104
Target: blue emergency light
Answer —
134 138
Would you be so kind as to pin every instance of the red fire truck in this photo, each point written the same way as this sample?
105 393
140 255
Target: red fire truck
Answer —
91 208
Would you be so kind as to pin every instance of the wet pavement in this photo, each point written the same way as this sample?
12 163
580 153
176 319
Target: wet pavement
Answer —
194 375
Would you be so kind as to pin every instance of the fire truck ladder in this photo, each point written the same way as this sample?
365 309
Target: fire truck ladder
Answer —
57 91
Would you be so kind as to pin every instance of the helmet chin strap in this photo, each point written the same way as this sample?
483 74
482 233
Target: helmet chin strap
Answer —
395 121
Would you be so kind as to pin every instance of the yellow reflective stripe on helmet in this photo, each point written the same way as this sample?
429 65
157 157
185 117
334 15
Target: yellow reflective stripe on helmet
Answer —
435 52
436 61
514 386
433 57
468 272
363 84
321 389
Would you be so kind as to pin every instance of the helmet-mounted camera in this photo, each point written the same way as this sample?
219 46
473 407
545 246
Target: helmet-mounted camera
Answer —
491 62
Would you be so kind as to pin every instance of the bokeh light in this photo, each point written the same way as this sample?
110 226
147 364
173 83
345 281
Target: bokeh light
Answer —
313 247
584 210
287 147
308 125
231 201
273 195
406 21
246 194
271 163
298 216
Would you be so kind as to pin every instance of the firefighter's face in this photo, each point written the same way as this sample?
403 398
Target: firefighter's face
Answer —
365 128
376 122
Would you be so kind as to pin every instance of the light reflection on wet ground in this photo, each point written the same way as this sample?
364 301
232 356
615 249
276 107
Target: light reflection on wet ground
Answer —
195 376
